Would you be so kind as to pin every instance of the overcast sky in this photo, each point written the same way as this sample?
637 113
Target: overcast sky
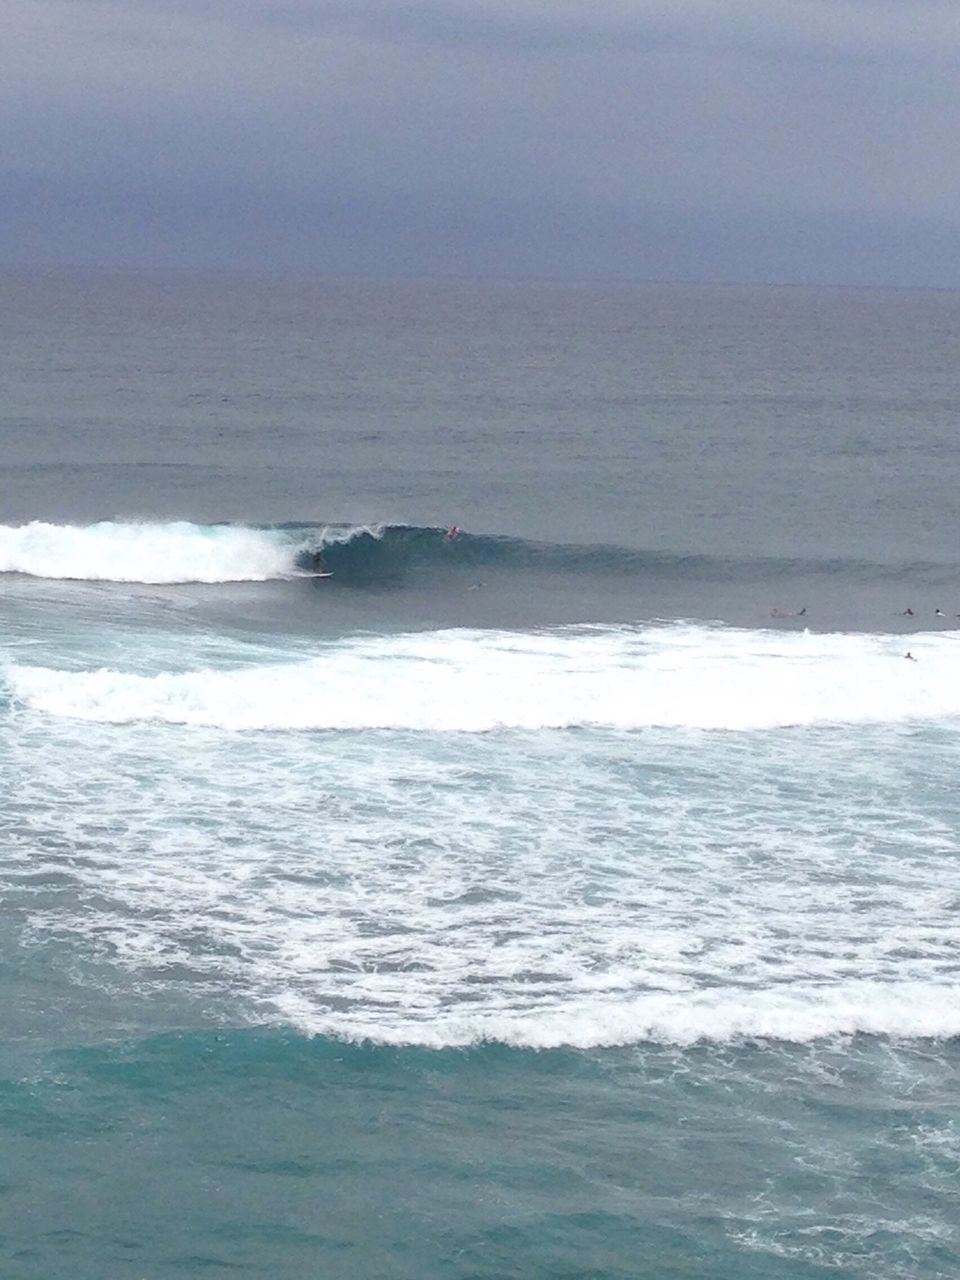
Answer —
794 140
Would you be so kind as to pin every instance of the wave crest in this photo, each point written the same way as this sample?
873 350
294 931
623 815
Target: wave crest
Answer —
178 552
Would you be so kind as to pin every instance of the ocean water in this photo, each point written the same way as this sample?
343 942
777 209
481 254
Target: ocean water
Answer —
575 896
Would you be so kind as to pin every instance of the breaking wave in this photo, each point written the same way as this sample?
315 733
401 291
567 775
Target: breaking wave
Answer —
152 553
723 1015
677 676
376 554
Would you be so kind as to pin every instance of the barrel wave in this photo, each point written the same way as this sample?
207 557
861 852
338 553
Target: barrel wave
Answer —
382 554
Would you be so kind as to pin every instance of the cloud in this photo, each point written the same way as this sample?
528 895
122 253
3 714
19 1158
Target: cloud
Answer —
899 27
301 124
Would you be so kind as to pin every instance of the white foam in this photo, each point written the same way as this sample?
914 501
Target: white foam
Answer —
147 552
623 678
533 889
792 1014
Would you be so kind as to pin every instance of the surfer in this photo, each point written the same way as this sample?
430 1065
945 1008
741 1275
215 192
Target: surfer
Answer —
907 613
909 656
453 533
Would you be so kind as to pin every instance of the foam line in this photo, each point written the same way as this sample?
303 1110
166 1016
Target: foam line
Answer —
679 676
794 1015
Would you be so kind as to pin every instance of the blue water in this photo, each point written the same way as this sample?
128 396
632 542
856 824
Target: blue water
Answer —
574 896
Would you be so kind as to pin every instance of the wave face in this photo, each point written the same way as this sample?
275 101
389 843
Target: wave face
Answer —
376 554
625 678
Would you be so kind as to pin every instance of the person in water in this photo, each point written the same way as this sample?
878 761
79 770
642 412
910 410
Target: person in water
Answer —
908 655
453 533
907 613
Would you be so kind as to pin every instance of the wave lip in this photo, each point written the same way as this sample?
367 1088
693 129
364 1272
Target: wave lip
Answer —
148 552
626 678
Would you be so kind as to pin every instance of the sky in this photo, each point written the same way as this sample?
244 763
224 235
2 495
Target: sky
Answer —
807 141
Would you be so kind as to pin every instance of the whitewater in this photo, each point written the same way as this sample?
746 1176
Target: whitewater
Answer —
502 887
460 837
680 676
148 552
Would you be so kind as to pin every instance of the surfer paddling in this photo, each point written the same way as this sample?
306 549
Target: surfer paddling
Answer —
452 533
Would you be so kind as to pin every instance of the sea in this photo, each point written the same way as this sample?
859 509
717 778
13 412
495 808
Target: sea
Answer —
479 780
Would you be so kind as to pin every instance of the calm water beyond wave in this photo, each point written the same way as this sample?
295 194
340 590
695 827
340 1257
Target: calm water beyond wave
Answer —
468 812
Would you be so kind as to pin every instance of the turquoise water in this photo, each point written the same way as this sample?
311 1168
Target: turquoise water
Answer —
572 896
248 1150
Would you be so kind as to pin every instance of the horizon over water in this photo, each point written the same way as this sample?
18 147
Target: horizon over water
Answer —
573 896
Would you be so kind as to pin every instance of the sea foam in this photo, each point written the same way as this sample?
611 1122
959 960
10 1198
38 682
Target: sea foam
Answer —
724 1015
177 552
679 676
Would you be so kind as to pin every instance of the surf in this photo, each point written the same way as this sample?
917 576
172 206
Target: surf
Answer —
672 676
156 553
387 554
728 1015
